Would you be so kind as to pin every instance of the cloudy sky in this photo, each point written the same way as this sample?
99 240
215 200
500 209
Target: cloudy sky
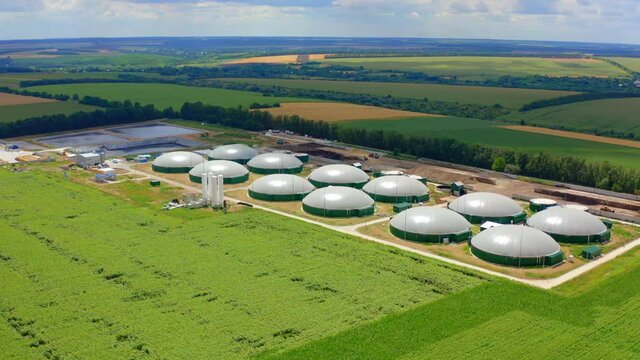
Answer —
573 20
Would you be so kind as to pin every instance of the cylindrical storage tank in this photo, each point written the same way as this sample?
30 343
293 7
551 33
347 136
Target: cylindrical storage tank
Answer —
280 187
338 175
479 207
570 225
430 224
338 201
397 189
540 204
304 157
275 163
516 245
231 171
239 153
176 162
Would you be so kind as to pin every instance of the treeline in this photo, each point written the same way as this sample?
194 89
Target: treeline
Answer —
541 165
122 78
40 94
417 105
562 100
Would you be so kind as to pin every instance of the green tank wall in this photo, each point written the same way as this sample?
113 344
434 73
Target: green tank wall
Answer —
233 180
339 213
500 220
275 171
321 184
239 161
516 261
170 170
270 197
406 235
399 199
583 239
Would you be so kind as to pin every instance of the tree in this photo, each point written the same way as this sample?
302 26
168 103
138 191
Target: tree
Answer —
499 164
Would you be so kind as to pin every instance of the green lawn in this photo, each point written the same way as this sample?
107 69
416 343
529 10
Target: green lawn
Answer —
87 275
631 63
486 132
479 67
511 98
16 112
165 95
619 115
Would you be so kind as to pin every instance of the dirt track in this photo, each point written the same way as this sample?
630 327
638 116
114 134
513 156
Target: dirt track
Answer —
11 99
333 112
575 135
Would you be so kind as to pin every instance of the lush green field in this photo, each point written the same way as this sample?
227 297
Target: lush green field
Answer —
619 115
511 98
87 275
100 60
478 67
486 132
592 317
165 95
630 63
17 112
13 79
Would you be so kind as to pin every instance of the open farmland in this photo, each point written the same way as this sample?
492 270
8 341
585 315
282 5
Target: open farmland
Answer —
18 112
482 67
90 276
575 135
619 115
100 60
490 133
165 95
278 59
593 317
480 95
12 99
335 112
632 64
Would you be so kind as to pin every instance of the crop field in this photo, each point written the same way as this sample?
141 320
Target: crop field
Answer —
628 62
100 60
489 133
278 59
17 112
620 115
337 112
482 67
166 95
575 135
480 95
592 317
88 275
12 99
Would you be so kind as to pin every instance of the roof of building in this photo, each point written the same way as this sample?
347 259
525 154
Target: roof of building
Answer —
517 241
233 152
275 161
339 174
567 221
430 220
338 198
178 159
226 168
281 184
396 185
485 204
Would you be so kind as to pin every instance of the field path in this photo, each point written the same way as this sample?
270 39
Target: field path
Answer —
352 230
574 135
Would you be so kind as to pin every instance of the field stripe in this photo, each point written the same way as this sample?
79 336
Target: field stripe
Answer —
574 135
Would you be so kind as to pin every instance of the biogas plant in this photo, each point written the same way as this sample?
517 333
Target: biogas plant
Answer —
476 226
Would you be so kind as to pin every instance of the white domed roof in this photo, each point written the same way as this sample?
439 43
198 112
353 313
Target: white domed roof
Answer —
516 241
339 174
429 220
233 152
281 184
226 168
274 161
566 221
486 205
396 185
338 198
178 159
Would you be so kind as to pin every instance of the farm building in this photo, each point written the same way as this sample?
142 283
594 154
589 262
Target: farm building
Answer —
397 188
430 224
479 207
338 201
89 159
275 163
231 171
516 245
570 225
539 204
239 153
176 162
280 187
338 175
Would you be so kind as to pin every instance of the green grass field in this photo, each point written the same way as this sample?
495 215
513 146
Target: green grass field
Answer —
620 115
479 67
165 95
592 317
510 98
486 132
17 112
631 63
87 275
100 60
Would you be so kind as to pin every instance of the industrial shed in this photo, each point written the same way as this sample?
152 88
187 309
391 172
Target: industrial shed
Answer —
516 245
338 175
231 171
176 162
275 163
479 207
280 187
338 201
430 224
239 153
569 225
397 188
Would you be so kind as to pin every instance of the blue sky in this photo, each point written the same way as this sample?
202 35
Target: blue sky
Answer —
570 20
